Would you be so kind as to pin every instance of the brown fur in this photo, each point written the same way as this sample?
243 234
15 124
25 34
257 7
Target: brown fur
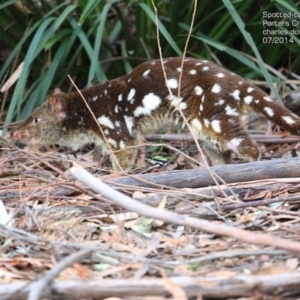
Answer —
211 98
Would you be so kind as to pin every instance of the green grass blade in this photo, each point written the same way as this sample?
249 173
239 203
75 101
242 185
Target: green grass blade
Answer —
241 25
55 26
33 94
20 86
7 3
83 37
57 38
287 5
162 29
88 8
234 53
98 41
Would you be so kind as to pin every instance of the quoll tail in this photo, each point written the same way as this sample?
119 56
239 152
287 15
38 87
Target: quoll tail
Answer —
273 111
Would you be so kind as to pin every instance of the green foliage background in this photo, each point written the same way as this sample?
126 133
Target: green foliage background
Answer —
94 40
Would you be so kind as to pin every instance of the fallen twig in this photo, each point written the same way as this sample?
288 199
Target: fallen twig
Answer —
277 168
118 198
216 287
36 289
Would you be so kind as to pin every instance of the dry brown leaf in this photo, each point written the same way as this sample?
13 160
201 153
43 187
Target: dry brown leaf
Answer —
174 289
275 269
292 263
138 195
180 159
162 205
82 271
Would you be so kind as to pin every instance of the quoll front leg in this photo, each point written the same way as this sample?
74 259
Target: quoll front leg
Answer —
216 156
125 156
244 147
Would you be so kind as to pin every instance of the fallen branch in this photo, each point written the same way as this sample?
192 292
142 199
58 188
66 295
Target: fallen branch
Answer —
37 288
128 203
277 168
261 138
216 287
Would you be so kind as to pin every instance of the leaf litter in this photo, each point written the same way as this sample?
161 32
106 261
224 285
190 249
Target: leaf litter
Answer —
47 216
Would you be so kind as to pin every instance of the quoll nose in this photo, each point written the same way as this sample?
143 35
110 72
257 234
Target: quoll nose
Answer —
16 135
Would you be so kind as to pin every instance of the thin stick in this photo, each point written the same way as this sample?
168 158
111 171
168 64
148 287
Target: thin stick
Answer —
186 45
159 47
99 126
130 204
206 165
37 288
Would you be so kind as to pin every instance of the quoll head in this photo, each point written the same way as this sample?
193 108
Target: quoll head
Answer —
43 127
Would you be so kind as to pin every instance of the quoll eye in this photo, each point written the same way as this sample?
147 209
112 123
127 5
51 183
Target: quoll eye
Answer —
36 120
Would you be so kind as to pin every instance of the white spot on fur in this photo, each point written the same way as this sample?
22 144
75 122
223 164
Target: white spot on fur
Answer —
236 141
236 94
288 120
176 102
192 72
240 82
122 145
129 80
231 111
103 120
248 99
179 70
233 144
216 125
256 101
146 73
105 92
106 131
201 107
120 97
216 88
117 123
182 105
269 111
220 102
197 125
149 103
112 142
116 109
206 122
250 89
129 123
198 90
95 98
206 68
198 63
203 98
131 94
173 83
268 99
220 75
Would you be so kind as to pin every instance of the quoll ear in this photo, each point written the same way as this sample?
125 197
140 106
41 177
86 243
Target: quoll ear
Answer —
56 91
57 106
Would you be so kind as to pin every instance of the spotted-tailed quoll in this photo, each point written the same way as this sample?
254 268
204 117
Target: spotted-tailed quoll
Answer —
211 99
